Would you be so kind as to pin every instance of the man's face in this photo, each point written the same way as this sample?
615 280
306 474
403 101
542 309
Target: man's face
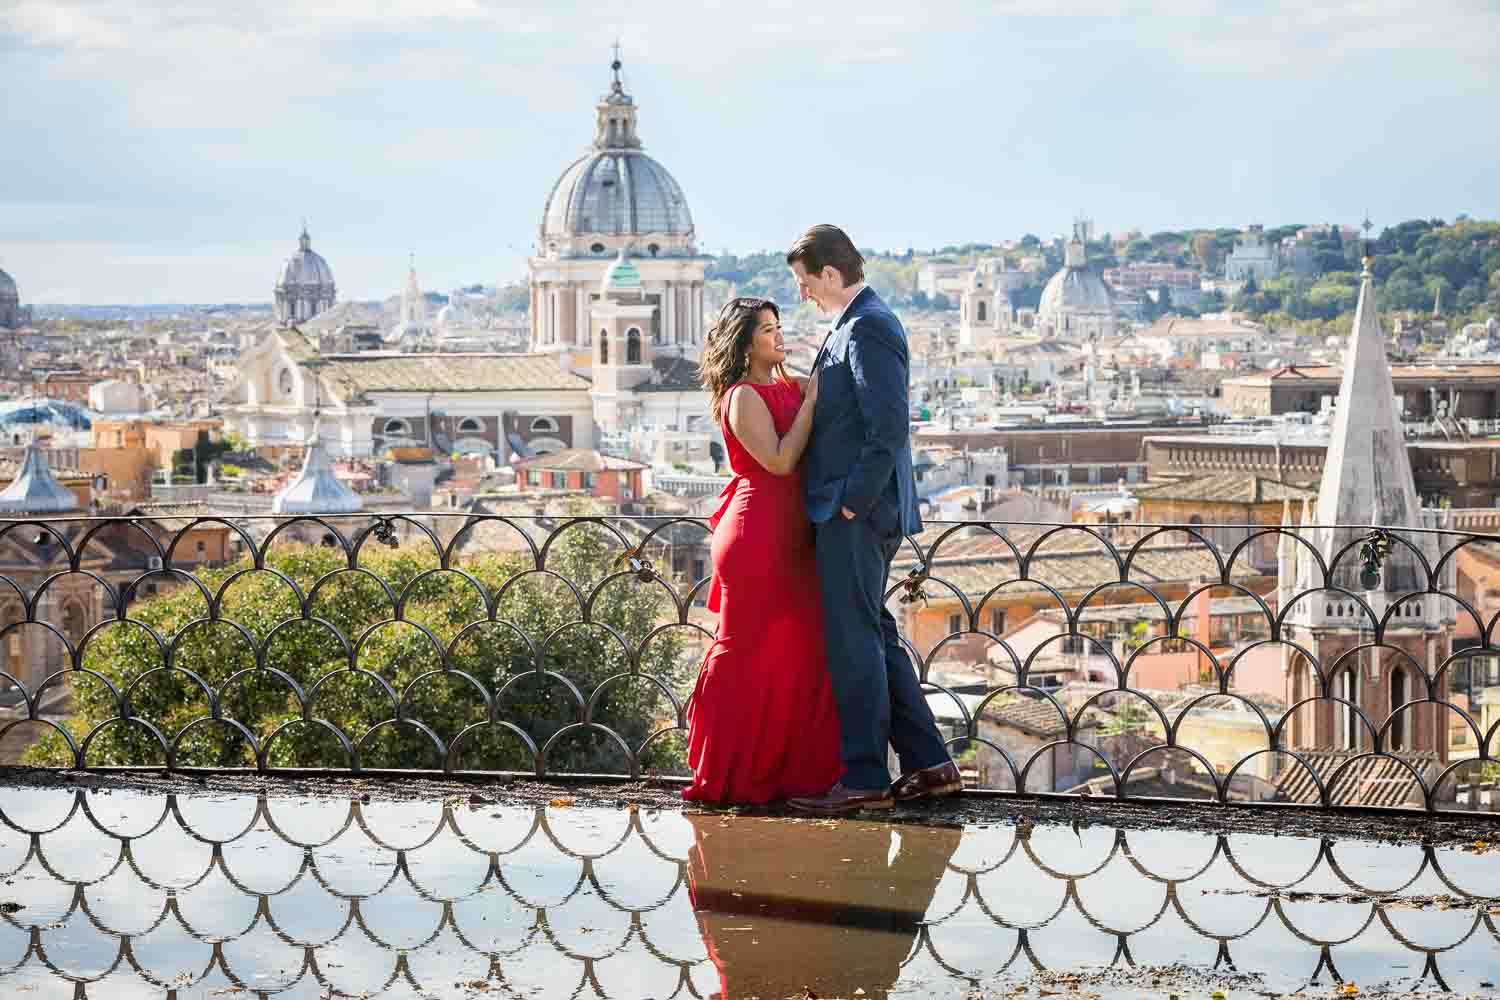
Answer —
819 288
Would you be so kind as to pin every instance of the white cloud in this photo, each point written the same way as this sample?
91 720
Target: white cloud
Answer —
61 25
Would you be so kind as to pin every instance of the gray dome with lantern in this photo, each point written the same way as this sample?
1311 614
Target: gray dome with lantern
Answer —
615 196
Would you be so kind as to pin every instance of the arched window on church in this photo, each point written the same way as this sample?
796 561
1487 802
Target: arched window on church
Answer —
980 315
1397 733
285 383
1346 687
633 346
604 347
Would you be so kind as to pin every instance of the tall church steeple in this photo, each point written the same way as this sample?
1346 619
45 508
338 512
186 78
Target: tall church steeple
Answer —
1367 478
413 302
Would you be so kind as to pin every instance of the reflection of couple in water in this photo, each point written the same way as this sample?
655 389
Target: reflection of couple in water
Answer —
784 905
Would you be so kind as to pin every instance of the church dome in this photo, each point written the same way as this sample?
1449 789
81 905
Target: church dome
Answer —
306 285
615 190
8 288
306 266
616 193
1075 291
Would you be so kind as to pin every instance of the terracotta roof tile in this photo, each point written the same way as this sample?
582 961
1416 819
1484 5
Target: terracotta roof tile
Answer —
1373 781
360 374
1224 488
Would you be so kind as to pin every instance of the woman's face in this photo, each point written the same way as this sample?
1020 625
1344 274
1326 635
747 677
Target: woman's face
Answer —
767 346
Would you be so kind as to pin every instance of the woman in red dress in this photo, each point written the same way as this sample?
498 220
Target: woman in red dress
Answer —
762 722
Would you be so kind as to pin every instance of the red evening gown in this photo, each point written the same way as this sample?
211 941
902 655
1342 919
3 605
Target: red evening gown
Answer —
762 722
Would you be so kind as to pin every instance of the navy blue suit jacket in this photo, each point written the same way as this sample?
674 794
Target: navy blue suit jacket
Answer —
859 453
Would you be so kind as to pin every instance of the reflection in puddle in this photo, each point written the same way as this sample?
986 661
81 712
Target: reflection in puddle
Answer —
133 895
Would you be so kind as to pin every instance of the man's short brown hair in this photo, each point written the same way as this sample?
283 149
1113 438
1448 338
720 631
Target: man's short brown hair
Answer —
828 246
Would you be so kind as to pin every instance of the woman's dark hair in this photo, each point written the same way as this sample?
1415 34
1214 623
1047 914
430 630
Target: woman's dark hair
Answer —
726 353
828 246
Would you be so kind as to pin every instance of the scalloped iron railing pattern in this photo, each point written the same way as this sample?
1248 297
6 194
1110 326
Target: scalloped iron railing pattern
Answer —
242 895
1078 574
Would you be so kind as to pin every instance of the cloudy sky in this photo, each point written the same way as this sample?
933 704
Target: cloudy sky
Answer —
167 152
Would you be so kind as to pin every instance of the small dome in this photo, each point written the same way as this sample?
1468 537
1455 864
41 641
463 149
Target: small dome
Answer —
35 490
8 288
316 490
621 278
1075 293
306 286
1075 290
306 266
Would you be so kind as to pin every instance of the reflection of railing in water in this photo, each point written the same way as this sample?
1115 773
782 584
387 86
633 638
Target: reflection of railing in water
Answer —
549 900
496 658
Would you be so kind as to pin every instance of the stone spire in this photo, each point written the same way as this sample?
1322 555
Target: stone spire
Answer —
413 302
35 490
316 490
1367 478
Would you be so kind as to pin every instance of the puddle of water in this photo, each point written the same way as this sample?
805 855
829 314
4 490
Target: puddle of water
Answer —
126 895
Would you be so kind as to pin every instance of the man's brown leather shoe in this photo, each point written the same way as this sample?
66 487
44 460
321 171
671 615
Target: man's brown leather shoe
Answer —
839 800
928 783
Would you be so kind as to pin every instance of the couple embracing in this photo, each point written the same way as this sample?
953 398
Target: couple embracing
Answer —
807 681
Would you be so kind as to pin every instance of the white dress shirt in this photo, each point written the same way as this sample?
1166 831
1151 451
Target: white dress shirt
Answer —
845 311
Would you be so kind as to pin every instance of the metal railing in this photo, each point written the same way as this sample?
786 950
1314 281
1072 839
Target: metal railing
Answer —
570 645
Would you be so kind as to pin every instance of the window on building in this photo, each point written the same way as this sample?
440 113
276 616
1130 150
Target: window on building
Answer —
632 346
955 623
543 425
1397 732
72 622
604 347
534 477
202 547
1346 687
980 315
997 621
470 425
286 383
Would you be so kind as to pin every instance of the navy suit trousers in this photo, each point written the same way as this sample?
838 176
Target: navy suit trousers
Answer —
879 697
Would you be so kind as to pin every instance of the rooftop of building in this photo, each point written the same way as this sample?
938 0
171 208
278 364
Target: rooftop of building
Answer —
375 371
1223 488
580 460
1447 369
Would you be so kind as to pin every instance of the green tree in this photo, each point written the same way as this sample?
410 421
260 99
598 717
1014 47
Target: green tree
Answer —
535 615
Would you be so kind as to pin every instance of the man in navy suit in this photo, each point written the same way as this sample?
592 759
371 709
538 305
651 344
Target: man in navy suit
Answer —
861 496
